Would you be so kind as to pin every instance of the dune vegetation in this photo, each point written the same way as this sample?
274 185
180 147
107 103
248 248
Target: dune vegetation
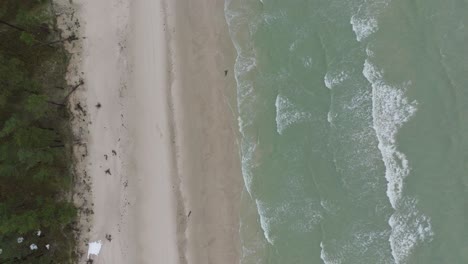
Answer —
37 215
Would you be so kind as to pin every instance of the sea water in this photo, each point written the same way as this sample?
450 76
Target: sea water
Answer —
353 117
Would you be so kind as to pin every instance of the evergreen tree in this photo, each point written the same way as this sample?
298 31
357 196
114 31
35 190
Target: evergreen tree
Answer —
34 172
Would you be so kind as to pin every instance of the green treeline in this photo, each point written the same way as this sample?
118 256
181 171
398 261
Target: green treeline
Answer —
35 177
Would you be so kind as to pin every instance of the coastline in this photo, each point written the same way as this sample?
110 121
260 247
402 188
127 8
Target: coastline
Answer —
161 162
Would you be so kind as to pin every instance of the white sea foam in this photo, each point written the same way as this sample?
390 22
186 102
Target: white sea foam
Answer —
369 52
364 21
240 123
363 27
247 161
245 89
94 248
357 102
307 61
287 114
390 110
333 79
271 18
329 207
359 244
308 216
330 117
245 64
326 258
409 227
301 215
293 45
265 221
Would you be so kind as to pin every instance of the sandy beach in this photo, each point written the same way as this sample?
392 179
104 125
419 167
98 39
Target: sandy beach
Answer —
158 171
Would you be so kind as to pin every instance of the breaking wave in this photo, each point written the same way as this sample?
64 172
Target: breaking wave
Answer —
287 114
390 110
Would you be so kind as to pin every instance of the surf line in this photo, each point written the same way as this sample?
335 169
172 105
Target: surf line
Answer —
390 110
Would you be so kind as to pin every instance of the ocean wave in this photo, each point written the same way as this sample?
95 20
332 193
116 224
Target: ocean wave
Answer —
307 61
301 216
333 79
248 163
329 207
245 64
266 220
364 21
390 110
326 258
351 118
361 245
409 228
273 17
363 27
330 117
287 113
369 52
357 103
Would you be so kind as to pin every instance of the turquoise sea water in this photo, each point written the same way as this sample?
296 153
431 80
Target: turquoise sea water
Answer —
354 123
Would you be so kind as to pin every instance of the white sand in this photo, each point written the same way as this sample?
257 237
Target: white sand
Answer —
154 224
162 143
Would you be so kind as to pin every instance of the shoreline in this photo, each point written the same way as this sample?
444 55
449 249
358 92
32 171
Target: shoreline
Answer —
161 152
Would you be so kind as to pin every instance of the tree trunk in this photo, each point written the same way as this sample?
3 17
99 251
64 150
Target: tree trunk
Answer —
12 26
72 38
57 104
46 128
73 89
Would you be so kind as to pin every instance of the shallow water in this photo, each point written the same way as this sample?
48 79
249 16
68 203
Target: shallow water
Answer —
354 130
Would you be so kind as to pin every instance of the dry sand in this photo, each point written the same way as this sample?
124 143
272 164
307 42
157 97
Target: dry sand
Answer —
158 120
